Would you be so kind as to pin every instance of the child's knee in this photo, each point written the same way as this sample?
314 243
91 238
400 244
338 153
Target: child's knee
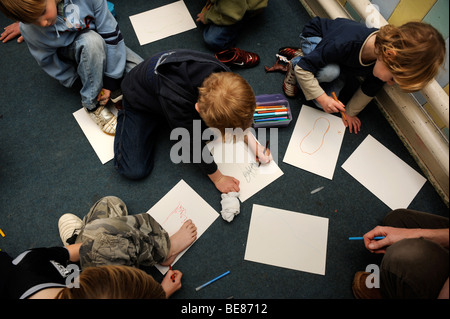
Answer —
94 44
329 73
134 172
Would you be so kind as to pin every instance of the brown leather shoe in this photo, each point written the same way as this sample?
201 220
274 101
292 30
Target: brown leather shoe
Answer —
359 287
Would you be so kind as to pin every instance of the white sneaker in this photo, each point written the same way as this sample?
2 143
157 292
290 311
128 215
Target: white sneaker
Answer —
69 225
104 118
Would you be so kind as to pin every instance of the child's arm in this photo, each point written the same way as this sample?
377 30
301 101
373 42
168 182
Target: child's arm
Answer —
224 15
312 90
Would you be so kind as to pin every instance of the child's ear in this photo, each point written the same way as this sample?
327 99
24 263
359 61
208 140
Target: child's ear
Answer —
196 107
391 54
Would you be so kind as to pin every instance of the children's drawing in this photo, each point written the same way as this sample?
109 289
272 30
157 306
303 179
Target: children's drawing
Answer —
179 214
250 171
177 206
315 142
243 167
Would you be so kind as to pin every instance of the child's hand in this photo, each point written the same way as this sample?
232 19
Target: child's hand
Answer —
263 157
11 32
353 123
103 96
225 184
329 105
169 285
392 235
201 17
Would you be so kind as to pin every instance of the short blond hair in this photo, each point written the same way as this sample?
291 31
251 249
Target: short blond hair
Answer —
27 11
226 100
413 52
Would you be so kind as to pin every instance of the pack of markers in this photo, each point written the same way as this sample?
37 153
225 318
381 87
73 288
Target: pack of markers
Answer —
272 110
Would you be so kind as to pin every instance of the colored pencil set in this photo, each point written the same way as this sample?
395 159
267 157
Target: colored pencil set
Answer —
271 114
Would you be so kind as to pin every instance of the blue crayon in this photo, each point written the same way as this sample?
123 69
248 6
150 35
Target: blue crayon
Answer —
211 281
361 238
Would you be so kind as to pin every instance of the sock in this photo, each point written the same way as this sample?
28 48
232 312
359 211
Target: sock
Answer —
230 206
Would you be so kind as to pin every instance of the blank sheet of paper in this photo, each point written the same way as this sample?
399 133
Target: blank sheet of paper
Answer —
237 160
180 204
383 173
103 144
162 22
315 142
287 239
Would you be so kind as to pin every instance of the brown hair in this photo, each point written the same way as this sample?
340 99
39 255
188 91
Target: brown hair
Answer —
27 11
226 100
114 282
413 53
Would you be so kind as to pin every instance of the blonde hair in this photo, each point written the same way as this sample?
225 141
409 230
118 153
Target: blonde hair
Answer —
413 53
27 11
226 100
114 282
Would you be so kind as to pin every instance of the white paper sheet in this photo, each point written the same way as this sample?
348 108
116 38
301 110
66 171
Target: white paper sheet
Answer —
180 204
383 173
103 144
238 161
315 142
287 239
162 22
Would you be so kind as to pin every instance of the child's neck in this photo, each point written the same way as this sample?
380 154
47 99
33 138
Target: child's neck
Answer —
368 54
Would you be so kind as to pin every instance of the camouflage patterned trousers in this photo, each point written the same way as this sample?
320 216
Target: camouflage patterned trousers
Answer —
111 237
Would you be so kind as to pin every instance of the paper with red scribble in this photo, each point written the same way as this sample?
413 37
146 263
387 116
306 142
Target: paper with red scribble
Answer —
315 142
178 214
180 204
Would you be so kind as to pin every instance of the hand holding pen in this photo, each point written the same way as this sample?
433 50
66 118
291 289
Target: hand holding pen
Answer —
172 281
266 156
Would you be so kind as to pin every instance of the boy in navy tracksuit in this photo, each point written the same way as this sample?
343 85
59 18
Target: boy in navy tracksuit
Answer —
181 88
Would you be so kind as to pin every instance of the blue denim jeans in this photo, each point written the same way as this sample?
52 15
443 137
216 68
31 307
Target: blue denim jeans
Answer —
88 51
219 38
329 77
136 133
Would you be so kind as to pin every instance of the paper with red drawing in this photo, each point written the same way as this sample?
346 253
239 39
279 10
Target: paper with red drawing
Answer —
315 142
177 206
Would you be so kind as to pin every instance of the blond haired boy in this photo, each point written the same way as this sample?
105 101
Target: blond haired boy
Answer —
335 52
180 88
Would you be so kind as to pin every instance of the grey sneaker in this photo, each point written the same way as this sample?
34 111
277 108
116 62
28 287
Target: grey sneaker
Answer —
104 118
69 226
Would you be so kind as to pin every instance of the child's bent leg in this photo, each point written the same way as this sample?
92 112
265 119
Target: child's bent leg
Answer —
136 240
219 38
106 207
134 143
88 52
133 59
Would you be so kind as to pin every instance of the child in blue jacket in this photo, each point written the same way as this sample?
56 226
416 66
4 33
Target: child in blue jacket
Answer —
74 40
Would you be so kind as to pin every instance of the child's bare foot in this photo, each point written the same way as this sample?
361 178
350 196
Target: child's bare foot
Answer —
179 241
